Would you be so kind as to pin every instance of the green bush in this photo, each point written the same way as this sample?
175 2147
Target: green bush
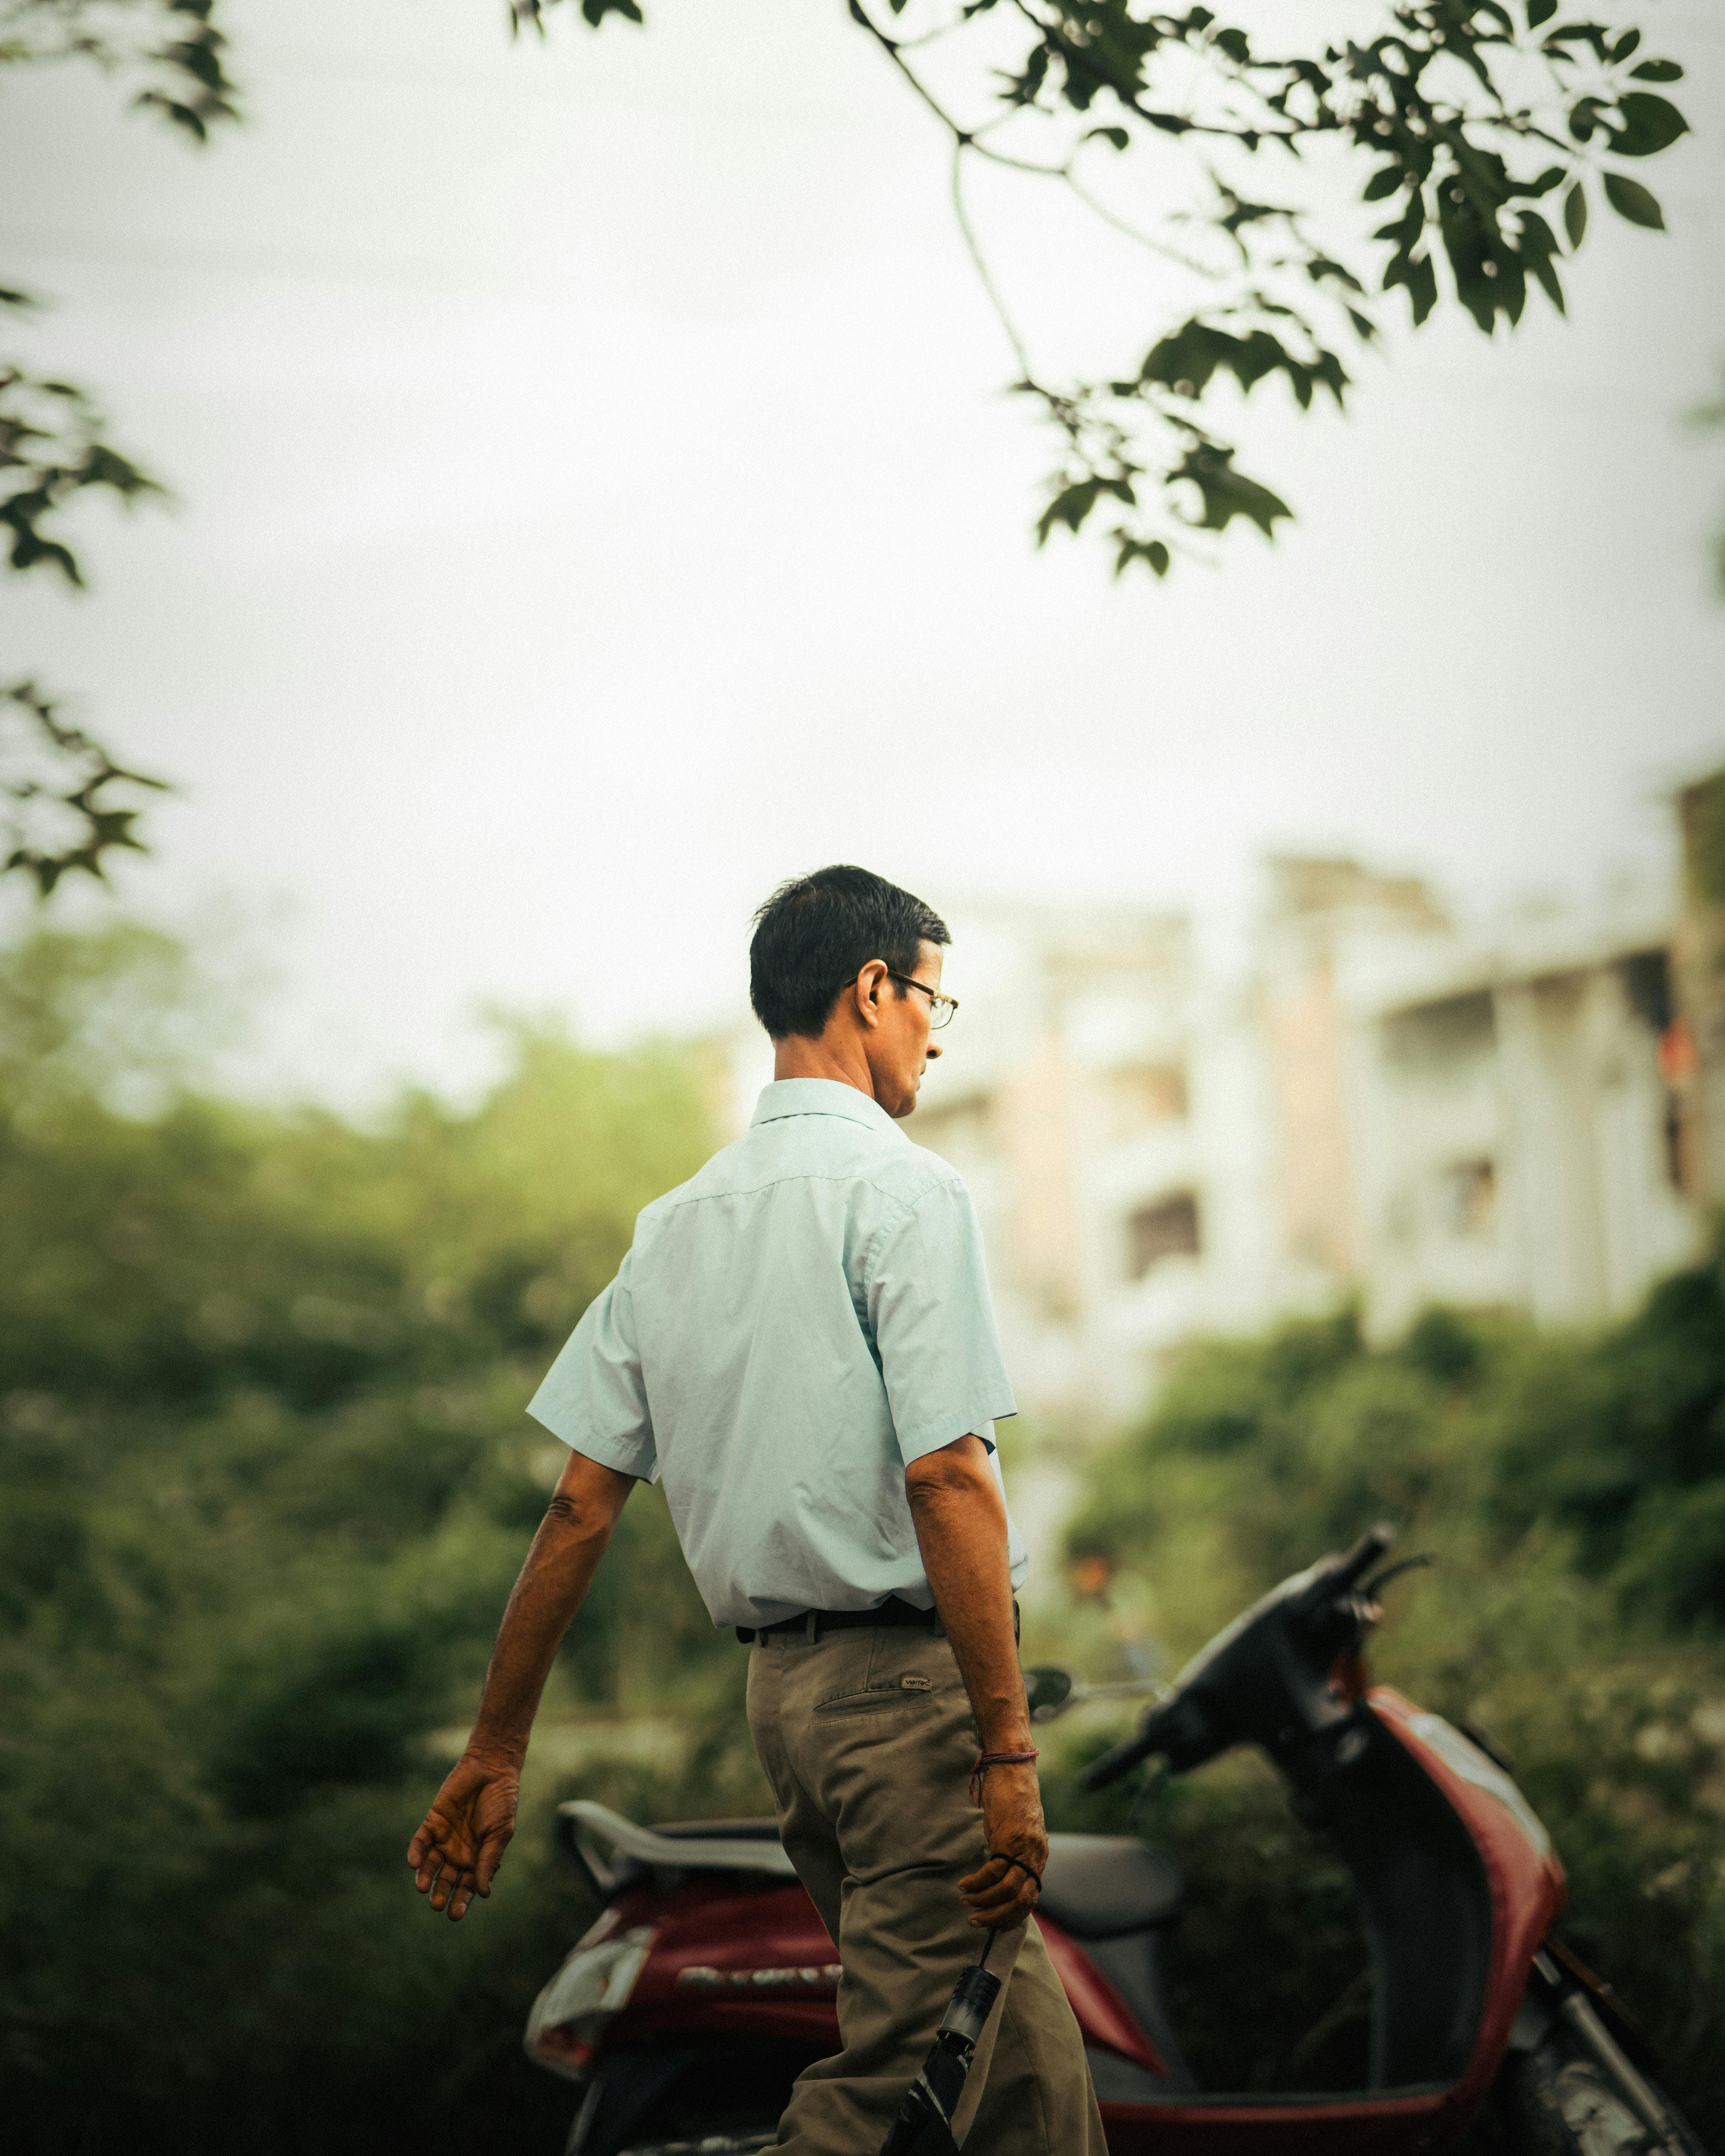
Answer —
264 1481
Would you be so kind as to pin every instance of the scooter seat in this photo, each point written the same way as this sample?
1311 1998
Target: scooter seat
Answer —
725 1829
1097 1886
1102 1886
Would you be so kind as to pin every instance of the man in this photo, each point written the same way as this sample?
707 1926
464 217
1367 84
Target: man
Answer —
799 1345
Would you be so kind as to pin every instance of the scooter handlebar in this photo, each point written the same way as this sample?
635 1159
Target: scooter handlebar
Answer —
1119 1761
1181 1728
1192 1725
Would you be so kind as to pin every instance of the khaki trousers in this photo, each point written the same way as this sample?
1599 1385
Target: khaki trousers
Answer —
868 1740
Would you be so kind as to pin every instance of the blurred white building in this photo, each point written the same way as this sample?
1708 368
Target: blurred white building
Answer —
1105 1103
1489 1122
1380 1106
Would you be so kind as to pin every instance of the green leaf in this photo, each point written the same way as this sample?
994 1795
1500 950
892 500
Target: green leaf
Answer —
1023 88
30 551
1540 11
1117 136
1070 506
1320 266
1416 272
1630 199
181 115
1226 493
1577 33
1151 552
1657 71
1624 46
1539 243
1405 229
1584 117
1185 360
1575 214
1383 181
1650 124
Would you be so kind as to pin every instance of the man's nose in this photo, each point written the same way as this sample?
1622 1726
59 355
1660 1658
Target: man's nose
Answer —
933 1052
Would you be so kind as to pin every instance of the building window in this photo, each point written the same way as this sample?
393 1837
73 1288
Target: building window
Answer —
1470 1197
1144 1094
1166 1230
1435 1038
1647 983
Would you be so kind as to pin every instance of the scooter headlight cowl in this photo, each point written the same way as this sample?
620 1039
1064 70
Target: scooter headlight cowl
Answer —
593 1984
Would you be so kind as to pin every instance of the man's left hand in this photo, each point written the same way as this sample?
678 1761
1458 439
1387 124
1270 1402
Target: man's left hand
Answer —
1001 1893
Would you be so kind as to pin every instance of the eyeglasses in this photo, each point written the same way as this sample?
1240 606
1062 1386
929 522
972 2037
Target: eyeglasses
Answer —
940 1008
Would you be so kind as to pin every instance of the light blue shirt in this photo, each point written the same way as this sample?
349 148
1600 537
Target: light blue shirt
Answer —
792 1327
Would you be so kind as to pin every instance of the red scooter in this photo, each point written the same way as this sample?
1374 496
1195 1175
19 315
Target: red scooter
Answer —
708 1982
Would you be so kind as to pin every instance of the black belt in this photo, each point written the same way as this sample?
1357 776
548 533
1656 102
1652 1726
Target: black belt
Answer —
893 1611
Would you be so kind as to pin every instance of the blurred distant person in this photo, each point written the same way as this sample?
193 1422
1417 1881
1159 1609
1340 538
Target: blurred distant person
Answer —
800 1345
1111 1629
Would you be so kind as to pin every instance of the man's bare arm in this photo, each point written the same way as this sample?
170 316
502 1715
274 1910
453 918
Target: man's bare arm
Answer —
961 1531
457 1850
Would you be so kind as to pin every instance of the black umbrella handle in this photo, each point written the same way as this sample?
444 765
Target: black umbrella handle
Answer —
924 2125
972 2001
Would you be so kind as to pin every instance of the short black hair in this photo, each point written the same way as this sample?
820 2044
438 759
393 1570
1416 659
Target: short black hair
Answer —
818 932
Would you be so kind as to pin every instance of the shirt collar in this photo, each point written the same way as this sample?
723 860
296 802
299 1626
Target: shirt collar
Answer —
821 1096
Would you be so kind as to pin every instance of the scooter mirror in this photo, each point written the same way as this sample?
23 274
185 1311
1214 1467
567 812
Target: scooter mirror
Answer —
1364 1554
1048 1690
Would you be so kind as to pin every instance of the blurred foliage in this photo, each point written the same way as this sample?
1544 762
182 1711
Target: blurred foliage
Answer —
264 1481
1572 1487
265 1478
62 815
1453 123
54 450
171 52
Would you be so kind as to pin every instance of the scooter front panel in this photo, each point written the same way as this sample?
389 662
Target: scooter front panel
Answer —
1523 1877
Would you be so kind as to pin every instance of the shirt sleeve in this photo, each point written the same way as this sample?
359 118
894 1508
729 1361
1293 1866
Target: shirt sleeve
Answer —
594 1397
927 1296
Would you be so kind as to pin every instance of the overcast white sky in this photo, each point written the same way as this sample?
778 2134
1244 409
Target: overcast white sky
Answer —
597 502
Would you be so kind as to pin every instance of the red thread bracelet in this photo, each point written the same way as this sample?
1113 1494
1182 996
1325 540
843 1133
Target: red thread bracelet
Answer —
987 1759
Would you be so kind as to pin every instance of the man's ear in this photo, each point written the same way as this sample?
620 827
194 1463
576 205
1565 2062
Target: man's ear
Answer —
867 988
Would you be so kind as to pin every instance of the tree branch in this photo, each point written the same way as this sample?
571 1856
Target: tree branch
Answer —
57 780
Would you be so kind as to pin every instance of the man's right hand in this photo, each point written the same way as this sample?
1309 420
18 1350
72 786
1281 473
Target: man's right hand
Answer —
457 1850
1001 1895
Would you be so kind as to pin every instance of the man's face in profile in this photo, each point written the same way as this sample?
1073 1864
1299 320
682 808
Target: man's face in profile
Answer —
899 1048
